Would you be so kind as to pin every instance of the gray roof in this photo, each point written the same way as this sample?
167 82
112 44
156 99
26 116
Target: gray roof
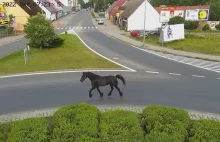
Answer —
130 7
51 9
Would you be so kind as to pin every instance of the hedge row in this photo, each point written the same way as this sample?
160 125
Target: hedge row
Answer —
120 126
85 123
76 123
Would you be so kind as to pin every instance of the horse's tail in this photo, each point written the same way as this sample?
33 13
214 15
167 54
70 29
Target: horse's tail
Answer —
121 78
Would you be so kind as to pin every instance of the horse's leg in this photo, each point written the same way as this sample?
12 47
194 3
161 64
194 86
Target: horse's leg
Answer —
112 88
101 94
116 86
90 91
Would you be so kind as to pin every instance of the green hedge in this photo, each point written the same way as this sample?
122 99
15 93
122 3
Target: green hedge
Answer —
204 131
29 130
171 121
76 123
120 126
85 123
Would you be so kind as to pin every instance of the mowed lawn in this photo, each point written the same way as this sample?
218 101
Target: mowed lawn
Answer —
206 43
71 55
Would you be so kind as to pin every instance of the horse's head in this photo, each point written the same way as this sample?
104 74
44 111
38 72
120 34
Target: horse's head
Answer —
83 77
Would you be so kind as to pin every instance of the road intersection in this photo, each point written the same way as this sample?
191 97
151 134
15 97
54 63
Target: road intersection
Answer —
156 80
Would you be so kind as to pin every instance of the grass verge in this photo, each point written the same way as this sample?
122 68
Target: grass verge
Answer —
102 15
85 123
92 14
71 55
197 43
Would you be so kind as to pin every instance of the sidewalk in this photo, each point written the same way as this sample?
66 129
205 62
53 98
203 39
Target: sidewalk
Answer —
114 31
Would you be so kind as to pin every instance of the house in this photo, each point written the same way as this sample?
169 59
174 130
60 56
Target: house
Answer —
112 13
133 16
22 11
58 5
50 11
108 10
68 5
191 13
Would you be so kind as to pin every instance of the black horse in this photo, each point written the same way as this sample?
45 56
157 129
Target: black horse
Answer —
97 81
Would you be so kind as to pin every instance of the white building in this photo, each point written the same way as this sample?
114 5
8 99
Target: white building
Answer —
133 16
50 12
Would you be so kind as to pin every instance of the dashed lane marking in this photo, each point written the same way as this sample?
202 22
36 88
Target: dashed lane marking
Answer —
197 76
152 72
174 74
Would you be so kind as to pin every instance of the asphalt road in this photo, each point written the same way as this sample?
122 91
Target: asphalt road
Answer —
54 90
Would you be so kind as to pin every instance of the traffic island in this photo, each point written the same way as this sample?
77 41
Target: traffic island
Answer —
72 54
84 122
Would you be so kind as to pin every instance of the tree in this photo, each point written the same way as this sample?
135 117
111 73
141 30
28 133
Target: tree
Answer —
176 20
39 31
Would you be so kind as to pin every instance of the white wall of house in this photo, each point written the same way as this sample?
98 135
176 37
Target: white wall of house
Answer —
59 13
136 20
48 15
65 2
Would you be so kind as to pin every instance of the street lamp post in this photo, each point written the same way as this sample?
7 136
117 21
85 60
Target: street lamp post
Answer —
144 22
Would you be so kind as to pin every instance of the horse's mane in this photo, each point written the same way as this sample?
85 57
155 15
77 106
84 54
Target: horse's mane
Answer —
90 73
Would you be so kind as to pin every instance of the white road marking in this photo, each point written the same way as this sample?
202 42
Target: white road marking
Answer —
104 56
173 59
174 74
62 28
218 78
60 72
152 72
198 76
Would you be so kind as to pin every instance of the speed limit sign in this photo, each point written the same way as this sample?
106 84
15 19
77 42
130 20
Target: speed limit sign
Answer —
163 25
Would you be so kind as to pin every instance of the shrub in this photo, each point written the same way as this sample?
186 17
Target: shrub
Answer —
34 129
204 130
121 126
76 123
158 119
93 15
163 137
1 134
39 31
176 20
206 27
217 27
191 25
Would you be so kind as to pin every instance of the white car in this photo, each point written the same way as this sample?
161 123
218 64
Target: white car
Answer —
100 22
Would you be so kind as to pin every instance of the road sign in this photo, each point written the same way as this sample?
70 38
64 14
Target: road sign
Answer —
163 25
58 24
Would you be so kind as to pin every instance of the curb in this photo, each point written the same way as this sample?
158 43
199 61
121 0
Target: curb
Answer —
17 39
64 71
167 50
195 115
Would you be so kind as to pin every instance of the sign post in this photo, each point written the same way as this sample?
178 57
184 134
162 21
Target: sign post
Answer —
58 26
25 56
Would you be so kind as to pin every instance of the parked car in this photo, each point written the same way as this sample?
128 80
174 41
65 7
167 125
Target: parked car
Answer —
97 19
137 33
154 32
100 22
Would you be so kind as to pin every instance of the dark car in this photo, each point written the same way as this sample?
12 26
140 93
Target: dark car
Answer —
154 32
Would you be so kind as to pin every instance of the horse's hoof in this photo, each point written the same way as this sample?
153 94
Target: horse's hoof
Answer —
90 95
121 94
101 95
109 94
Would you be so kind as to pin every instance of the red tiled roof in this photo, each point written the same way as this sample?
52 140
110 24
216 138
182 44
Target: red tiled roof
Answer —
114 10
158 9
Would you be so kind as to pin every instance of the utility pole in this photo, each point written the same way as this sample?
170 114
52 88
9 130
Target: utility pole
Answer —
144 21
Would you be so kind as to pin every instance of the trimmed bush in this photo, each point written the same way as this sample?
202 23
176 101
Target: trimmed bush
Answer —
204 130
171 121
121 126
206 27
163 137
76 123
176 20
29 130
191 25
217 27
